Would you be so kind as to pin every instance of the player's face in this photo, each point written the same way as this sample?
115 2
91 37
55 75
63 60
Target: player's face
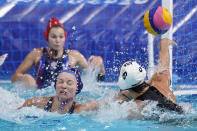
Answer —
56 38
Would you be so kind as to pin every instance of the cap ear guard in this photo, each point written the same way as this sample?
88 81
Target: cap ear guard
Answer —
131 74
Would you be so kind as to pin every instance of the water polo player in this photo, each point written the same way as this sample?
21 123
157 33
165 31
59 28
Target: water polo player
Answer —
133 86
49 61
68 85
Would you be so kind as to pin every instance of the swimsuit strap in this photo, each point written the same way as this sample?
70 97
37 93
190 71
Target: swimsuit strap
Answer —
143 85
40 67
128 98
49 105
147 84
50 102
71 111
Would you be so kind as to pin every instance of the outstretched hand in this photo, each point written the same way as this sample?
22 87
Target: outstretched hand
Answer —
168 41
96 62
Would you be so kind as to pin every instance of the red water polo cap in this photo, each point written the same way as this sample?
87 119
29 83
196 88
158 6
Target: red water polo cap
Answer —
51 23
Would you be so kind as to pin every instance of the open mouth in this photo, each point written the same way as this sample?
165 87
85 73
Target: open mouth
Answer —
63 92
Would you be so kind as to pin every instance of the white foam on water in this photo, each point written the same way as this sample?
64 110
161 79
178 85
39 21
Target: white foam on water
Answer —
89 81
22 90
9 102
152 112
108 111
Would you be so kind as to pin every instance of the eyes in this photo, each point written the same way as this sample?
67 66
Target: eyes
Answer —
56 36
140 69
68 82
124 75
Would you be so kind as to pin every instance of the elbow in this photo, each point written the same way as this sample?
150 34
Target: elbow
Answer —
13 78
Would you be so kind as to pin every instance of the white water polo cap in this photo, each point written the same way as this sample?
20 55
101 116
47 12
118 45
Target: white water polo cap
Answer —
131 74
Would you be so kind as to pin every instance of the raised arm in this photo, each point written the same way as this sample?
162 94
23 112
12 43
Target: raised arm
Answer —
97 63
161 79
77 59
164 56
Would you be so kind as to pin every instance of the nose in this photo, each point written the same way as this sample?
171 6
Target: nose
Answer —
57 40
64 85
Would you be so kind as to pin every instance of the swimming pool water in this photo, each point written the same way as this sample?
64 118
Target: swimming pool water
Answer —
107 118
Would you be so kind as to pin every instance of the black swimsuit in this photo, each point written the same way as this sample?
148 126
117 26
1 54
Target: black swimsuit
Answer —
153 94
49 105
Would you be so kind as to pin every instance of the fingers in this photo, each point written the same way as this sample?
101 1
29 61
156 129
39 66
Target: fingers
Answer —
95 60
171 42
97 63
167 41
91 58
4 55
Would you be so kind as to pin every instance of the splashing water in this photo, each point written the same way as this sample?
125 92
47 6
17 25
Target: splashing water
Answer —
10 101
23 91
110 112
113 111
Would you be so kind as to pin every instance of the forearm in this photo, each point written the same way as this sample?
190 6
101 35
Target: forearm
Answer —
93 105
28 80
27 103
102 69
76 59
164 56
26 65
17 77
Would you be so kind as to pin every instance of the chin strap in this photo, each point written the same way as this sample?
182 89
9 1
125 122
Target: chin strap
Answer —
128 98
138 87
137 84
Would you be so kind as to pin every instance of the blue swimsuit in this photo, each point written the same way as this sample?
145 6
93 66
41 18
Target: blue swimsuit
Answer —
47 69
50 102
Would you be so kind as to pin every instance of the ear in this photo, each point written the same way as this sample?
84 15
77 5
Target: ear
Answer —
124 75
76 91
46 35
140 69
